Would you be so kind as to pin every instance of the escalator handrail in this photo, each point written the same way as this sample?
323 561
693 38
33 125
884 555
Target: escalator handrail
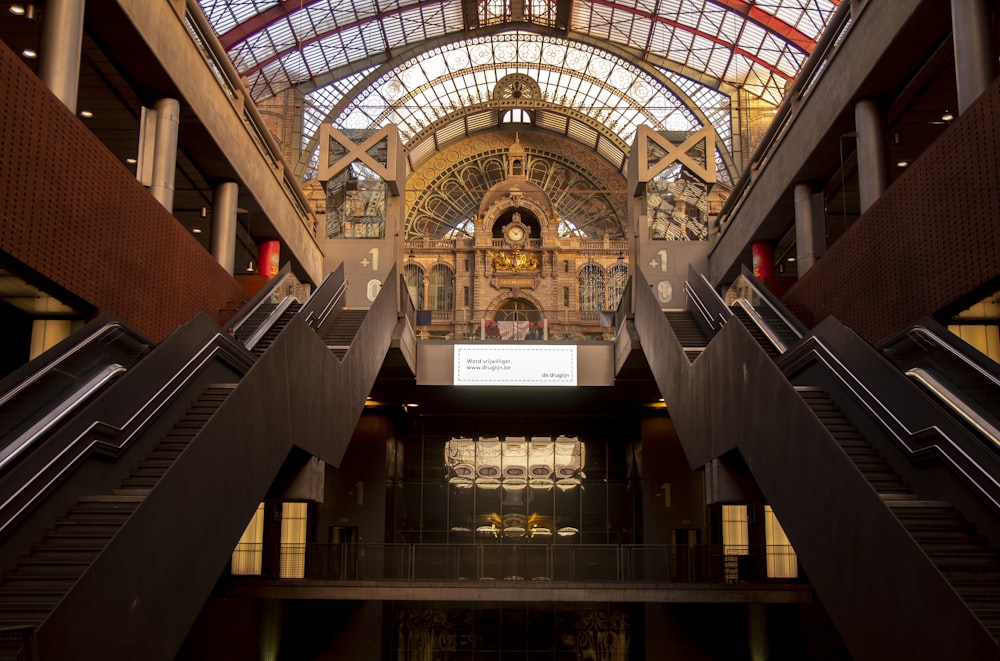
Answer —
762 325
271 319
956 403
93 336
114 439
815 349
943 343
58 413
774 303
260 298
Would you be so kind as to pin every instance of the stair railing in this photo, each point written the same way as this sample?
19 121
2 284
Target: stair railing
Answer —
316 311
713 313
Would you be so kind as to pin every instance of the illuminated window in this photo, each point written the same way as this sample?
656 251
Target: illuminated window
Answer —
781 559
592 296
247 554
492 12
414 277
293 540
979 325
440 290
517 116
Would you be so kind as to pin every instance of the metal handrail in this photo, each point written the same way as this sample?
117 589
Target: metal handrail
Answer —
59 413
529 562
36 376
762 325
956 404
260 298
942 343
272 318
772 302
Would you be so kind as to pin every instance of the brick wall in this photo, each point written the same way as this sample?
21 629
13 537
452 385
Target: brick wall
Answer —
73 214
929 241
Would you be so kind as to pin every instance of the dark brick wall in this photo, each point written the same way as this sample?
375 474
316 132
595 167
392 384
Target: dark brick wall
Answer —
931 240
73 214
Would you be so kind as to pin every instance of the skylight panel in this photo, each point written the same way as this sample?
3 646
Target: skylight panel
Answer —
730 28
280 34
752 37
321 17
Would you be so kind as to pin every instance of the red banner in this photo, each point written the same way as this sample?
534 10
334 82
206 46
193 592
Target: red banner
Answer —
269 254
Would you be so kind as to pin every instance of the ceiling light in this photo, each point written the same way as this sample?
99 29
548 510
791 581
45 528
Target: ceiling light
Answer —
86 114
17 10
197 230
947 116
130 161
29 53
902 164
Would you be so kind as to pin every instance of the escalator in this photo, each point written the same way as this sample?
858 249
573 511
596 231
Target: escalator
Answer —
117 523
892 503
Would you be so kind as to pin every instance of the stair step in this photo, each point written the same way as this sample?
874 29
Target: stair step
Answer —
84 528
111 498
61 556
38 584
72 543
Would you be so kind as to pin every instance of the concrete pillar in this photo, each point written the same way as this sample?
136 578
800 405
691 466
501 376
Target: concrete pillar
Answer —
873 151
223 241
168 113
810 227
61 43
971 24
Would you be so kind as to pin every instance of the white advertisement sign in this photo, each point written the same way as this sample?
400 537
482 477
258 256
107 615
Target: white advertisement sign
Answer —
515 365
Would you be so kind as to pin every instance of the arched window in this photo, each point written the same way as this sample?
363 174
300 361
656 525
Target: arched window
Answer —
592 294
414 276
617 278
441 288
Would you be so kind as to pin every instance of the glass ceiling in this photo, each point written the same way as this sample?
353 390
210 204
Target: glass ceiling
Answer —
431 67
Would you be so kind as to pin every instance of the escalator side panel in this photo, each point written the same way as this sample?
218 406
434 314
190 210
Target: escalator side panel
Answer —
886 599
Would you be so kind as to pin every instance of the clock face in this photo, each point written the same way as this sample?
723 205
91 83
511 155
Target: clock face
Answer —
515 233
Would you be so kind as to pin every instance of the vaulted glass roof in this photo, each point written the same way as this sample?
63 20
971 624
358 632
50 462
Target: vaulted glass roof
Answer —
748 44
590 71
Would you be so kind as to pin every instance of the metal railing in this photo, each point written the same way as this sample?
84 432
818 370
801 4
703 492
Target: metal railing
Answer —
603 563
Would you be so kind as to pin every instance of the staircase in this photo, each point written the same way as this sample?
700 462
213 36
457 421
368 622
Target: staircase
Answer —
340 334
952 544
687 330
276 327
40 580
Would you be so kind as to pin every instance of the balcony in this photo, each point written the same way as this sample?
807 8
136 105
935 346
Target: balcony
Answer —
524 572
